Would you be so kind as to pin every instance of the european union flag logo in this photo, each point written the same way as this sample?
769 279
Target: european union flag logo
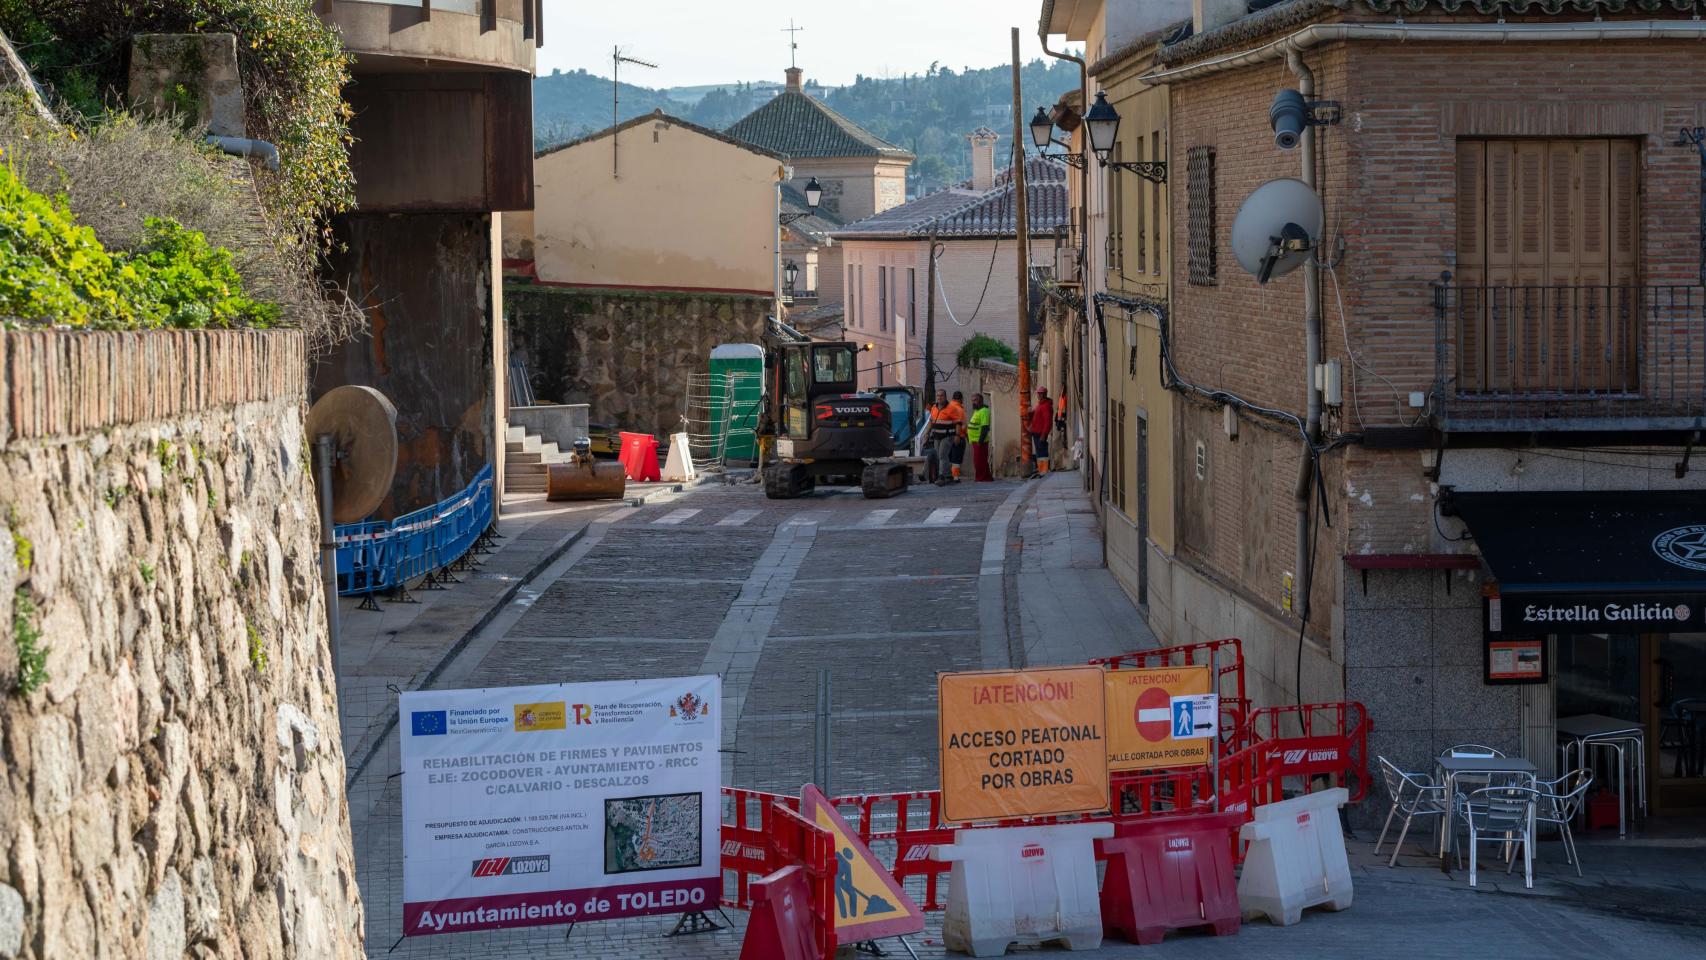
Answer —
428 723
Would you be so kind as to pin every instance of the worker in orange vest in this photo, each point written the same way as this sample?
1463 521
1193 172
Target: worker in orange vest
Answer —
949 419
1041 425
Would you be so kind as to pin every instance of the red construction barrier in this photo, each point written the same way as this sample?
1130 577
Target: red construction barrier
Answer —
748 823
1148 793
797 841
639 457
1168 873
780 927
1317 740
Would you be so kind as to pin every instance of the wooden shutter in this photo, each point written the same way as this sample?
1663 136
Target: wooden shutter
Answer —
1623 171
1471 317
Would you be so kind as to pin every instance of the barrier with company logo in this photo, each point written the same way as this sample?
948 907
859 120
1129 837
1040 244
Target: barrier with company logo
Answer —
1023 884
1022 743
1296 858
1168 873
559 803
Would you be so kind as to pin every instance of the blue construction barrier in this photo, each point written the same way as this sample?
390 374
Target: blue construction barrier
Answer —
376 556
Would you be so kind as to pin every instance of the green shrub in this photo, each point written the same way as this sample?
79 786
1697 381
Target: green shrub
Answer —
32 656
55 271
984 347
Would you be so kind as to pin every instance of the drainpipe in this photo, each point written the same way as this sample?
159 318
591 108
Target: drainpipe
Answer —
1083 228
1303 582
244 147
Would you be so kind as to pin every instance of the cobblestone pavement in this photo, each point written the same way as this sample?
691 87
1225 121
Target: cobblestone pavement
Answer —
883 595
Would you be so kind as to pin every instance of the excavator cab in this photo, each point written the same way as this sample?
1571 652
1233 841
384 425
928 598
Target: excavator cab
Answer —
827 429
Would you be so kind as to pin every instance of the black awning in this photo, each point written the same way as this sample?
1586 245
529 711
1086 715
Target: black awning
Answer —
1593 561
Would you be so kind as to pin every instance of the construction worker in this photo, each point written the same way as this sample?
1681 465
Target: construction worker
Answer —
957 456
1041 425
977 432
947 418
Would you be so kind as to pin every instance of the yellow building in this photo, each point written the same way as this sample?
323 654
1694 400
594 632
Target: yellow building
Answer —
652 203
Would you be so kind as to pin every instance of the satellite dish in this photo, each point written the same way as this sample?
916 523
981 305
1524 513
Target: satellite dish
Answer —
1277 228
363 427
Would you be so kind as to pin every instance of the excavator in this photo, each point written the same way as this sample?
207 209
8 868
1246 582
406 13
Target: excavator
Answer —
827 430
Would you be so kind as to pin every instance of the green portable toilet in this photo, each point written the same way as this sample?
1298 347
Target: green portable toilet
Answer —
737 399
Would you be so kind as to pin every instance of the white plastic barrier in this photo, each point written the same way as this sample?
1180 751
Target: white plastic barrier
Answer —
679 467
1025 884
1296 858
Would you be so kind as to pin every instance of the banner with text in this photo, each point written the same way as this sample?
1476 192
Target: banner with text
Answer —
1022 743
1142 733
559 803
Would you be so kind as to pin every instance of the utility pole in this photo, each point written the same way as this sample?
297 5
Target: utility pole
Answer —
1022 224
930 324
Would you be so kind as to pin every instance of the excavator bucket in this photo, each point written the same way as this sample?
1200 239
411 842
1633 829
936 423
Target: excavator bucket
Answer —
598 480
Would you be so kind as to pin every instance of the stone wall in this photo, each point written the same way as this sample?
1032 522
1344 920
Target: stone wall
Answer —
629 355
173 777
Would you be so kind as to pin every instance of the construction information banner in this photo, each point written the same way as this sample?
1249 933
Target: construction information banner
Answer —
1142 732
564 803
1022 743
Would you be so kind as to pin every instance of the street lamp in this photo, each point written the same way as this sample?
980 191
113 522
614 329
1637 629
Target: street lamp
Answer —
1042 134
1103 124
790 273
814 195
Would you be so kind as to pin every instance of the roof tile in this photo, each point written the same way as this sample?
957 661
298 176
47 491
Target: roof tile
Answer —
800 126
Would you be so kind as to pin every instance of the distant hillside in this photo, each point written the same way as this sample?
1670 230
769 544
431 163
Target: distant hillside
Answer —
928 114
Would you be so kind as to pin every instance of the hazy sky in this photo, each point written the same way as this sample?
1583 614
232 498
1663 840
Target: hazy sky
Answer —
720 41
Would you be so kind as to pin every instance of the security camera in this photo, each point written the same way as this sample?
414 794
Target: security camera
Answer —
1288 116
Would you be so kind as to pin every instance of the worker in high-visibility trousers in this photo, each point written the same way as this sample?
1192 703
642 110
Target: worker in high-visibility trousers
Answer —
1041 425
977 431
948 419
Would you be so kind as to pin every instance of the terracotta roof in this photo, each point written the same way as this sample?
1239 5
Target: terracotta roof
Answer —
800 126
1266 17
960 212
659 115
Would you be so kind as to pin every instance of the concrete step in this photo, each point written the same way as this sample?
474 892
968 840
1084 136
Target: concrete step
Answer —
514 434
516 458
524 484
513 469
527 444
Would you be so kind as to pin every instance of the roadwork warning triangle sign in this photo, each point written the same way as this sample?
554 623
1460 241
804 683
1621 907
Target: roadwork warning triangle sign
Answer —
869 904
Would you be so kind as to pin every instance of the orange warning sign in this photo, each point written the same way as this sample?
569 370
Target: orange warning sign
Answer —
1140 728
869 904
1022 743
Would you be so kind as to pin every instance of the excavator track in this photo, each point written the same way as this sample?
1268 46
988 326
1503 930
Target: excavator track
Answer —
785 481
884 479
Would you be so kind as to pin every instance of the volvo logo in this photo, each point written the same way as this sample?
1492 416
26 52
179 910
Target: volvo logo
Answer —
1683 546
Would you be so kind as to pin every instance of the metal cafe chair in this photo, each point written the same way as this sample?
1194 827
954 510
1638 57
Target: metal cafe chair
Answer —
1559 802
1413 795
1502 815
1473 750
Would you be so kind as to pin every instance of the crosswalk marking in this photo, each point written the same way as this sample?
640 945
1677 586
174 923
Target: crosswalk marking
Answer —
877 518
942 515
738 518
809 516
677 516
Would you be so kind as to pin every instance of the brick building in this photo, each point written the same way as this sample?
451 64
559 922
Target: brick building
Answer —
1496 483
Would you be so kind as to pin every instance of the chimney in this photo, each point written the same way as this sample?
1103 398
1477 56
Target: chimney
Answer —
794 75
983 142
1209 14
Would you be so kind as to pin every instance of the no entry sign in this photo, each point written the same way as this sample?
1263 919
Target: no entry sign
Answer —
1141 720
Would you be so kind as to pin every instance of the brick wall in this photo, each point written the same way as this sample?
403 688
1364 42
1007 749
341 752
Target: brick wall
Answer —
66 384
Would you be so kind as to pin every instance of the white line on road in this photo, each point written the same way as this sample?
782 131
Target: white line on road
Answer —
877 518
942 515
677 516
737 519
809 516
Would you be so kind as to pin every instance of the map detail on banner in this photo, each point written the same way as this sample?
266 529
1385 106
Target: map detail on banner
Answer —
529 806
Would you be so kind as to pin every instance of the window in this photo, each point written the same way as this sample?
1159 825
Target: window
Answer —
852 318
912 301
1199 214
861 295
1142 219
1157 220
1116 457
832 364
1202 461
1546 265
1116 216
794 375
882 298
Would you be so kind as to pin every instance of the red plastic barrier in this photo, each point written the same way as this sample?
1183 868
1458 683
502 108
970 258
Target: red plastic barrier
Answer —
639 457
747 854
781 924
1317 740
1169 873
795 840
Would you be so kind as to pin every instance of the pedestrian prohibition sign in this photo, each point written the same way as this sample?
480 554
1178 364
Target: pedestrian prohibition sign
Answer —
869 904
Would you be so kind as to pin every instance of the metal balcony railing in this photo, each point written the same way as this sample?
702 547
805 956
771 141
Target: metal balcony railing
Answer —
1625 357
